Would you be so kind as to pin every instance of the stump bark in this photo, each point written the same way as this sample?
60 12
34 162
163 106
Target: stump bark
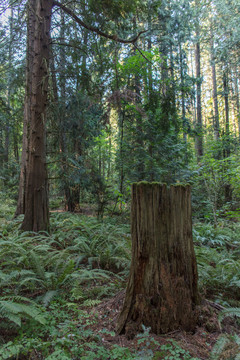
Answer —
162 288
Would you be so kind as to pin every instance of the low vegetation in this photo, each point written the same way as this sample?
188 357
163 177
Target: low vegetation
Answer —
60 292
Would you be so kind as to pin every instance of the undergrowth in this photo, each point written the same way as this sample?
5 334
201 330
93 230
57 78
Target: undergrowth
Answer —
50 282
218 253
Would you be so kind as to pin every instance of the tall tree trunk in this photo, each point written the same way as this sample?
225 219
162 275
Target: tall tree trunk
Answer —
36 209
226 103
151 97
9 89
62 121
236 90
228 190
214 85
199 130
182 92
162 287
139 129
121 115
149 47
121 120
27 107
15 145
199 135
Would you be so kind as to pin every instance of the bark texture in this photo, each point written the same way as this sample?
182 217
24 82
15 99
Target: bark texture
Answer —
215 94
198 126
36 200
31 23
162 287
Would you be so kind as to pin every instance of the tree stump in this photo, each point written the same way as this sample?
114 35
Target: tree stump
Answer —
162 288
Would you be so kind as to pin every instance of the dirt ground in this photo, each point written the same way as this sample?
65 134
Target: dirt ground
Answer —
199 344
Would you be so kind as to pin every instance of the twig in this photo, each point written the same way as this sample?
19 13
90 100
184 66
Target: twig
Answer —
142 54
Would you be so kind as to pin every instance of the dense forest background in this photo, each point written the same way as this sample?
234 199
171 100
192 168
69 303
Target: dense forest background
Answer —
135 91
164 108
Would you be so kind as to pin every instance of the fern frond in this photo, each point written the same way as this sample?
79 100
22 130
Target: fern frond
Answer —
93 274
14 311
229 312
91 302
10 351
48 297
37 265
219 347
7 314
58 355
236 339
65 270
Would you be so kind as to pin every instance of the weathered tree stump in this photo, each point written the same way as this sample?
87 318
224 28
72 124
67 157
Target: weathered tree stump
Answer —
162 286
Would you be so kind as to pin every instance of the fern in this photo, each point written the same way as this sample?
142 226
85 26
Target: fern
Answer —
59 355
10 350
91 302
14 311
223 342
93 274
219 347
37 265
47 298
229 312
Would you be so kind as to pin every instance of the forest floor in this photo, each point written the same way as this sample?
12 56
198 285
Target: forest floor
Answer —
198 344
76 276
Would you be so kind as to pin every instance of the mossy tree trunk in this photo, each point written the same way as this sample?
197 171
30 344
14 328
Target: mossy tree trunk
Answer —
162 287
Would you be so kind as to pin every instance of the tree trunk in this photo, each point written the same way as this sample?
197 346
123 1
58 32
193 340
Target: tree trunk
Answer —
226 103
237 98
214 85
199 136
27 106
36 210
140 166
199 132
162 287
227 151
183 92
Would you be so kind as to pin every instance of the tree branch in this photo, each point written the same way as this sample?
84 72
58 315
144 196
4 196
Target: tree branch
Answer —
68 45
142 54
94 29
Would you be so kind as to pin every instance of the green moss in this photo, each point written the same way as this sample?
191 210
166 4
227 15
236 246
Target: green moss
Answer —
147 183
180 184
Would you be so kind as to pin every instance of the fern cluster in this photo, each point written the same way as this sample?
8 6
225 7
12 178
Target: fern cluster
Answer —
46 279
78 254
14 308
217 252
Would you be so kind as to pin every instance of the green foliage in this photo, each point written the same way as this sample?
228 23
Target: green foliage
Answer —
150 349
113 9
10 350
9 175
224 342
229 312
173 351
81 262
218 273
15 308
210 180
63 272
100 244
